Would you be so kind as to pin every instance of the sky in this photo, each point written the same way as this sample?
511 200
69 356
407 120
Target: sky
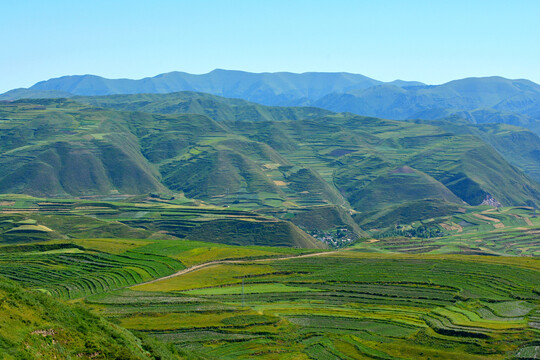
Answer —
432 41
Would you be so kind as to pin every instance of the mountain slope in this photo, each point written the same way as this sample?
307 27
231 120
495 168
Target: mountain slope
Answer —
63 147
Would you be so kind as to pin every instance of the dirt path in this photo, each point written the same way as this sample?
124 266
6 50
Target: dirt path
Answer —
219 262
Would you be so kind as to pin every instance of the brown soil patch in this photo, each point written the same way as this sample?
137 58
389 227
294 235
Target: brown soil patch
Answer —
498 225
7 203
18 211
271 166
280 183
487 218
90 207
528 221
372 241
452 226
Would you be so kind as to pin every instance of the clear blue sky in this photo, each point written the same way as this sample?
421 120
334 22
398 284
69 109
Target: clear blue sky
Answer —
433 41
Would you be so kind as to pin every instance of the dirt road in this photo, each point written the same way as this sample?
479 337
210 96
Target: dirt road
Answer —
219 262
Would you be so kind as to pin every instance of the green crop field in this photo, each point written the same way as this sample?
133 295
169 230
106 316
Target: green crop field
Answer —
275 303
341 305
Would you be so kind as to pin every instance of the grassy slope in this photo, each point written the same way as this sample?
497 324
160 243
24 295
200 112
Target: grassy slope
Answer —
54 147
36 326
504 139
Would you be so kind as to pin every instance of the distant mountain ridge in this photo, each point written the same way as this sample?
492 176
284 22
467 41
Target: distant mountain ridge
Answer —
281 88
478 100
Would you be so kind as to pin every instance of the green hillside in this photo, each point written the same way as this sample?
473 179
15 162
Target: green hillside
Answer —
370 167
34 325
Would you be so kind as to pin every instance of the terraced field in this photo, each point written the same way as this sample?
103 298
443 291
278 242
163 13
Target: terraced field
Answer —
77 268
482 230
275 303
390 297
69 271
345 305
27 219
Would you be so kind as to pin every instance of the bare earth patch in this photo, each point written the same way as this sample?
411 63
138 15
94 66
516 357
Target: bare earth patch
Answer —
452 226
487 218
271 166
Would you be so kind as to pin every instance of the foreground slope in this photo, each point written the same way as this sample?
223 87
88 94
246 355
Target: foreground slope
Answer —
249 302
36 326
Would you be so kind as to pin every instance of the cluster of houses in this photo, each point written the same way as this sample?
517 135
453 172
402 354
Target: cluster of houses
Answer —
335 239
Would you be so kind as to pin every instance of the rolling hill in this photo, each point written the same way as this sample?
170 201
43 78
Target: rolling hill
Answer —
289 158
515 144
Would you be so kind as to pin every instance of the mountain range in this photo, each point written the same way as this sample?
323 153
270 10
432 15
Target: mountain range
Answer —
478 100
